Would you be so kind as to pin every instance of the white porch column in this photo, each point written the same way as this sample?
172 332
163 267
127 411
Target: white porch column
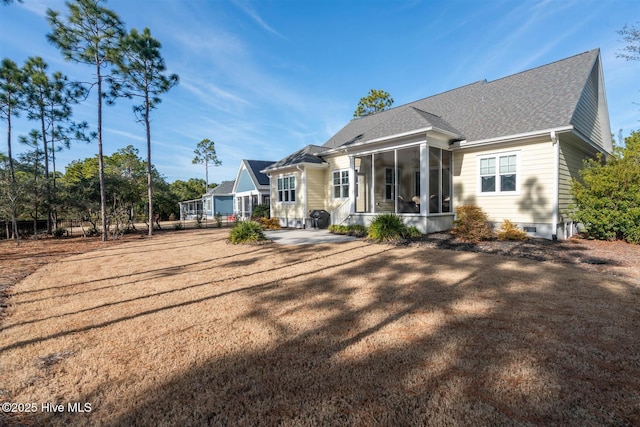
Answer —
424 179
373 183
395 180
352 185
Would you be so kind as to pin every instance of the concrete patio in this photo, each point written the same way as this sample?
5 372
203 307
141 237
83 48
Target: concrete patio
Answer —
294 236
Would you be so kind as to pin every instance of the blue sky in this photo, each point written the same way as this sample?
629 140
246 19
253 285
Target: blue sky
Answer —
265 78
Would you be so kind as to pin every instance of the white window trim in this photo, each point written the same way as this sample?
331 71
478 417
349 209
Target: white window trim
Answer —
394 172
333 186
295 180
498 191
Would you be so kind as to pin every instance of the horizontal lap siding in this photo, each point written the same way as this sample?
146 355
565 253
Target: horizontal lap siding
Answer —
316 188
534 202
570 164
335 163
586 117
287 210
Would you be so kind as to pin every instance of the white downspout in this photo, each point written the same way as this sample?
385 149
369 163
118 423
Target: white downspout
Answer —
555 141
303 188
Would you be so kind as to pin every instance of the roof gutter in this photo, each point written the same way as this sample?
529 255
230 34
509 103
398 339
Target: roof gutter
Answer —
516 137
270 171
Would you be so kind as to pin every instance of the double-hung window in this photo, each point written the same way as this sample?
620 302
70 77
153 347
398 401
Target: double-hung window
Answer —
340 184
389 184
287 189
498 173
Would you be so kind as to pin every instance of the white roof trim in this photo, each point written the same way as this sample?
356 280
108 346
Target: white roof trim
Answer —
466 144
279 169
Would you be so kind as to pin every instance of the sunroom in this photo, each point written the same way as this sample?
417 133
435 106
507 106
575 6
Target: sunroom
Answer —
413 181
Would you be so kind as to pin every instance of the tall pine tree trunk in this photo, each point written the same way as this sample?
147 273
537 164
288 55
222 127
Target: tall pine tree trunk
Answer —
103 197
147 124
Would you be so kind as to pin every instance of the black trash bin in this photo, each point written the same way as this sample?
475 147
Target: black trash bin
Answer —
320 218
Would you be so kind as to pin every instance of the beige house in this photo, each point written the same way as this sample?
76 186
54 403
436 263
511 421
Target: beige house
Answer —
510 146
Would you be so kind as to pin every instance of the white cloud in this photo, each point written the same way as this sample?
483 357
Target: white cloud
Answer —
249 10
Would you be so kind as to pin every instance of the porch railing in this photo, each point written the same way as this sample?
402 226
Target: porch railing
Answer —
341 213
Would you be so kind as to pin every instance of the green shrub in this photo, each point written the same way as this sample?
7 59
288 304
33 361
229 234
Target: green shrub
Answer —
246 232
59 232
218 219
178 226
386 227
472 224
357 230
510 231
261 211
607 200
338 229
413 232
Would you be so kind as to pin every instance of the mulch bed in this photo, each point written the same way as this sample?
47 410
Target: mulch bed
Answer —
614 257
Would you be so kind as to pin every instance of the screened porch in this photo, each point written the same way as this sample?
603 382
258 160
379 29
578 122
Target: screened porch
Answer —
415 180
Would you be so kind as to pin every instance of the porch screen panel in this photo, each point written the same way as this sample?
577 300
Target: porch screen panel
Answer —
363 183
446 180
435 189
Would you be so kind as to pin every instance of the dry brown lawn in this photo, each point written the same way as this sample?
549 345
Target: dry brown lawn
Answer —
185 329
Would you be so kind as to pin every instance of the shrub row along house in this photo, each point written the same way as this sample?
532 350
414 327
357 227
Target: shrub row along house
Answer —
510 146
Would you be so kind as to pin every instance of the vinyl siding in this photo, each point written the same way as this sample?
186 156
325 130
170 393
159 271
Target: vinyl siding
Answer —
586 118
335 163
287 210
245 183
316 183
571 159
533 202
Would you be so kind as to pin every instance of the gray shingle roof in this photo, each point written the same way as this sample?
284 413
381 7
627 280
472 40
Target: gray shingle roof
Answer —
306 155
538 99
225 187
255 166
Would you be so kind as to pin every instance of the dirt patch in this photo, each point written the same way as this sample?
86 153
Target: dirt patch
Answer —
185 329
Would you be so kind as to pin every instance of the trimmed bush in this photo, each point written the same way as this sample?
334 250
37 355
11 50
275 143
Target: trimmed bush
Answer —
356 230
270 223
472 224
246 232
510 231
385 227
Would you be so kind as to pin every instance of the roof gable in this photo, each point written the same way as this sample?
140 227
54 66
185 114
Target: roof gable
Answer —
542 98
309 154
250 176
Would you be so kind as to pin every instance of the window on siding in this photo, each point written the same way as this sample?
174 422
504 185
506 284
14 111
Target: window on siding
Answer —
287 189
389 184
498 174
340 184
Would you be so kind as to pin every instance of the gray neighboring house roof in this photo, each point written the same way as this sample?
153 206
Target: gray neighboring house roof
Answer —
224 189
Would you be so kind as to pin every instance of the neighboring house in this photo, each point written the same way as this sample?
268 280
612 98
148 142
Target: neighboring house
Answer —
510 146
219 200
191 209
251 187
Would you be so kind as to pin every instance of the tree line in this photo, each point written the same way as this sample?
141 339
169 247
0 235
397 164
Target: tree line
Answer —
125 65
